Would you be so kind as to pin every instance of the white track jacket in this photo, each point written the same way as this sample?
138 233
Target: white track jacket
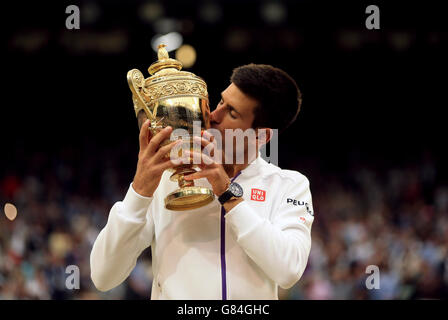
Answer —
207 253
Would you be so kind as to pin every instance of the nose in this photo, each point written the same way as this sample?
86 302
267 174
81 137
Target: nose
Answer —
216 115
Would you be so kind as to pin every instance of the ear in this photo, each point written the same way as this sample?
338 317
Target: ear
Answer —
264 135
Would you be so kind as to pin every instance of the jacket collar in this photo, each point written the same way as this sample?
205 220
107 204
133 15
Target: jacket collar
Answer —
255 167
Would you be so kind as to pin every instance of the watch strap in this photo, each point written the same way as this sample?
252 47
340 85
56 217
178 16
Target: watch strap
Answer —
225 196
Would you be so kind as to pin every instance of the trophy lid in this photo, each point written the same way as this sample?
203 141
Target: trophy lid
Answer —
164 61
167 81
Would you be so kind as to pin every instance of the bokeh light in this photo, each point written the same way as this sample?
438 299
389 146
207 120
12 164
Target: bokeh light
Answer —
187 55
172 40
273 12
10 211
151 11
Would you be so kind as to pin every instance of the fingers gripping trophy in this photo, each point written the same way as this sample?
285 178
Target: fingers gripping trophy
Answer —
171 97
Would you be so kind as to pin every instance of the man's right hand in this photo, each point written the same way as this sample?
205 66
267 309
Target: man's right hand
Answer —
152 159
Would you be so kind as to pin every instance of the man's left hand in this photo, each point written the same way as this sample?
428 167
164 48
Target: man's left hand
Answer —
210 169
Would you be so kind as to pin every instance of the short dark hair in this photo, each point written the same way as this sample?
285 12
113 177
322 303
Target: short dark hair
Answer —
279 98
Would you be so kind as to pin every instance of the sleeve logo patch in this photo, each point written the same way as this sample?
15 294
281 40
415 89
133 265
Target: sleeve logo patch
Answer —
300 203
257 195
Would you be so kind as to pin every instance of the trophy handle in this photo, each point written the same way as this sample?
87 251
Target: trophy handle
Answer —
136 84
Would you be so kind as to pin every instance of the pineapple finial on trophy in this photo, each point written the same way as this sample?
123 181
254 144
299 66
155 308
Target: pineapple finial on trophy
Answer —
164 62
162 54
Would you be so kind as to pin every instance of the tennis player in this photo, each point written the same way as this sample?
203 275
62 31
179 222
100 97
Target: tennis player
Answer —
255 235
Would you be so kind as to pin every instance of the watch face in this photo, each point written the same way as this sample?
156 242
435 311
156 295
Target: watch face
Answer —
236 189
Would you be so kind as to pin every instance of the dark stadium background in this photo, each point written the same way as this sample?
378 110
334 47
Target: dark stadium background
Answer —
373 108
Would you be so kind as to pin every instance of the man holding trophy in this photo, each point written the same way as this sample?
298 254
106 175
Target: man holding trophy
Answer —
222 224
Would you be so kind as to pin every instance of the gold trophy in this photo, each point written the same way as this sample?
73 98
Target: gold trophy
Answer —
171 97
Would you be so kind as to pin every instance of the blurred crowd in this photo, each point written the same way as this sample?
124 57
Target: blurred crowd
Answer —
395 218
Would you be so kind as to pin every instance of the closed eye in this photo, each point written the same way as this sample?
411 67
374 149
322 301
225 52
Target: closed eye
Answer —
232 113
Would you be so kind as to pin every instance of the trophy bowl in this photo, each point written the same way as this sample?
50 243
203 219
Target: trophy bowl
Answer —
171 97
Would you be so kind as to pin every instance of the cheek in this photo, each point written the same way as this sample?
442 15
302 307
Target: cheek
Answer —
243 124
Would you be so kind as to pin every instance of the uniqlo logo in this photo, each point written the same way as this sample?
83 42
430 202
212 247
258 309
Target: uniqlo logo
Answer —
258 195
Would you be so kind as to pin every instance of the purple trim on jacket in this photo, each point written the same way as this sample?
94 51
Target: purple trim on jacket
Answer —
223 249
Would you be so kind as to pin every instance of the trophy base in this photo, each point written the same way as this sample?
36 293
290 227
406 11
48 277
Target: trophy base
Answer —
188 198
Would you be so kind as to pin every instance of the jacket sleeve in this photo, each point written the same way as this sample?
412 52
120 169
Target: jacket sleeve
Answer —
280 246
129 230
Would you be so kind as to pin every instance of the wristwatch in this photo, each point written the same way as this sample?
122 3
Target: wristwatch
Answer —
233 191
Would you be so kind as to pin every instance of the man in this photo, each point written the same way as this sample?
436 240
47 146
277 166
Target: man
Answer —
254 236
